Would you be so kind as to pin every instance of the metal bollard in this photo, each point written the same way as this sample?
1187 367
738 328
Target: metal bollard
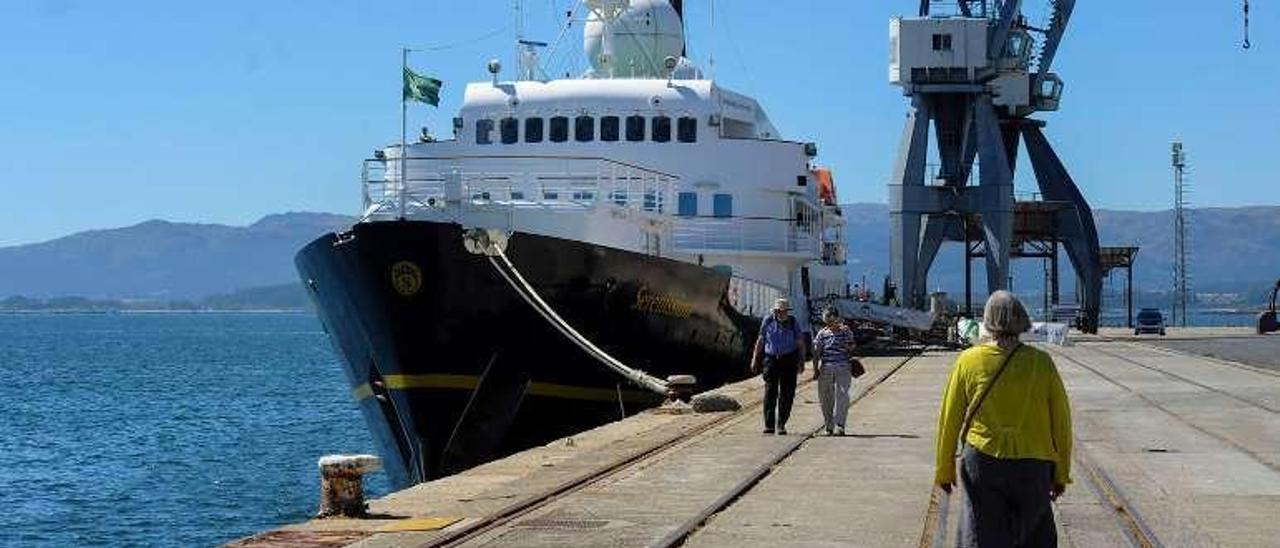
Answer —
342 484
680 387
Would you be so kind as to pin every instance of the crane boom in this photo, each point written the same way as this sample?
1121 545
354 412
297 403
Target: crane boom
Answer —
1062 10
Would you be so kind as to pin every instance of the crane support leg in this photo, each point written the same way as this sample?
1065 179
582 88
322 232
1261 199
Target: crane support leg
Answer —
1078 231
996 207
905 218
924 216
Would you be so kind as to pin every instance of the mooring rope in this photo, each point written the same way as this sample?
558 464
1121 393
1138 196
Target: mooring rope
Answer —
498 258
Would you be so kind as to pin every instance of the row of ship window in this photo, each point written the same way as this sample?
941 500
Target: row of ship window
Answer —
611 129
652 201
686 202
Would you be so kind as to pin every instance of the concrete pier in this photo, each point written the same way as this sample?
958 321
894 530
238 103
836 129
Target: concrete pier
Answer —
1173 449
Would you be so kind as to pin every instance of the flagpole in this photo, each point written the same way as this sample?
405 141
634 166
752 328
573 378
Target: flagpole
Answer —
404 151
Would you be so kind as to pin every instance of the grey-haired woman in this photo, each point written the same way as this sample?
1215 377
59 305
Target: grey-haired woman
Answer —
1006 404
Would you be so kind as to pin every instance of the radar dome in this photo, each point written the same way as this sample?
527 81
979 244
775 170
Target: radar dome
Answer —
631 39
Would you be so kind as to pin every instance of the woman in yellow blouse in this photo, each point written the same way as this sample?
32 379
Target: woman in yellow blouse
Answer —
1016 455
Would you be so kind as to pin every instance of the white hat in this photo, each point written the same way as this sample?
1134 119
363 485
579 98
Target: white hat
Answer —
782 304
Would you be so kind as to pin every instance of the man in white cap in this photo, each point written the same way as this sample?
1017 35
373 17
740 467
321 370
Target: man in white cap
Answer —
779 355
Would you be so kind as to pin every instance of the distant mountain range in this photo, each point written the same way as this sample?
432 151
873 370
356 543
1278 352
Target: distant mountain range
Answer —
283 297
1232 249
161 260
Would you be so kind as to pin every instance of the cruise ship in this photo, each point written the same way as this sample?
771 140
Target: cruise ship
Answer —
574 245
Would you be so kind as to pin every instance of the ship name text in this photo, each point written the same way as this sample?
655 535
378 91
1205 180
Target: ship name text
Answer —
665 305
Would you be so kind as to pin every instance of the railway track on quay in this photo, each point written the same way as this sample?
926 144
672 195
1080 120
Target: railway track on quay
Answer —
512 515
1211 432
1209 357
1129 520
1193 382
938 526
1133 524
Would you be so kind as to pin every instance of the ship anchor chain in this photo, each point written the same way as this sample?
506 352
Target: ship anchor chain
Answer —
493 243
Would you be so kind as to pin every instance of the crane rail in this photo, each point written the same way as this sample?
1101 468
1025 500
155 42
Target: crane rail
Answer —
1129 519
677 537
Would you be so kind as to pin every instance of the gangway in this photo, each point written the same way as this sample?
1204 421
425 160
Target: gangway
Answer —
866 311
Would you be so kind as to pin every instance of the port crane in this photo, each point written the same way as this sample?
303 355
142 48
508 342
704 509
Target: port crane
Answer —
975 72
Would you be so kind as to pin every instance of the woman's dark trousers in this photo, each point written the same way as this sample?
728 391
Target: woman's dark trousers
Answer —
779 388
1008 502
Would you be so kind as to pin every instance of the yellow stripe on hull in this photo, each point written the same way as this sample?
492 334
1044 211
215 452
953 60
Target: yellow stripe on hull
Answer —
470 382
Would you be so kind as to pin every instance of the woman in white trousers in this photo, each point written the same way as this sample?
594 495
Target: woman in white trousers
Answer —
833 350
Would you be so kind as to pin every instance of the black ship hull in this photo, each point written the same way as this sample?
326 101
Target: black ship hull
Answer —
452 368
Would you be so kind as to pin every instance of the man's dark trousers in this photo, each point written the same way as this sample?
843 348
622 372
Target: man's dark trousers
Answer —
779 388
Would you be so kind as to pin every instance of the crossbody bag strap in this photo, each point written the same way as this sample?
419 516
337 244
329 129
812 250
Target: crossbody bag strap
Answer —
973 410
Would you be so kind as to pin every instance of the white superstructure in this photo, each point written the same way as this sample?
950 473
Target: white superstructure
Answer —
663 163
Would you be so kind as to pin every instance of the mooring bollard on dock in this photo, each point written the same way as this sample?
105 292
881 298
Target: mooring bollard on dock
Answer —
342 484
680 387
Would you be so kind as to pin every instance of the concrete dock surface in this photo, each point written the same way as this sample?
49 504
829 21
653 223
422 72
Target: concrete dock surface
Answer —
1173 449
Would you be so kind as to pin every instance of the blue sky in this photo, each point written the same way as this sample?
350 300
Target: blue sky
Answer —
113 113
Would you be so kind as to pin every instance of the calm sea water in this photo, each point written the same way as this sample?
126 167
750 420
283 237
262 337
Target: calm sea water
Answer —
166 429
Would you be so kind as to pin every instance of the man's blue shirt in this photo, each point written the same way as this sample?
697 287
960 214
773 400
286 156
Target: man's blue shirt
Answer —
780 337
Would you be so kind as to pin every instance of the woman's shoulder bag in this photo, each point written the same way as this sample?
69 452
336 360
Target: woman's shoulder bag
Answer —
855 365
856 368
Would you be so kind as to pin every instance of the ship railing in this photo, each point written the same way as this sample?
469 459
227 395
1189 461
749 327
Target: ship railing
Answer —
375 185
752 297
745 234
533 183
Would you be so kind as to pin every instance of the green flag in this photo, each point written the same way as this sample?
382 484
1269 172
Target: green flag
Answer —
421 88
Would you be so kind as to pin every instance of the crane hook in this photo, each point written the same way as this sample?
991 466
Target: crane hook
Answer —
1246 44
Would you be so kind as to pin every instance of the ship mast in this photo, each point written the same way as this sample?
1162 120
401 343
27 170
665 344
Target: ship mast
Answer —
528 67
404 126
518 25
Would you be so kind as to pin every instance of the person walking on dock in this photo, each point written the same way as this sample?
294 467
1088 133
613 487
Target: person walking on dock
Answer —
779 356
1006 403
833 354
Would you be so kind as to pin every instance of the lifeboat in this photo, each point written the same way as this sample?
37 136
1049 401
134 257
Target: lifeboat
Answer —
826 185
